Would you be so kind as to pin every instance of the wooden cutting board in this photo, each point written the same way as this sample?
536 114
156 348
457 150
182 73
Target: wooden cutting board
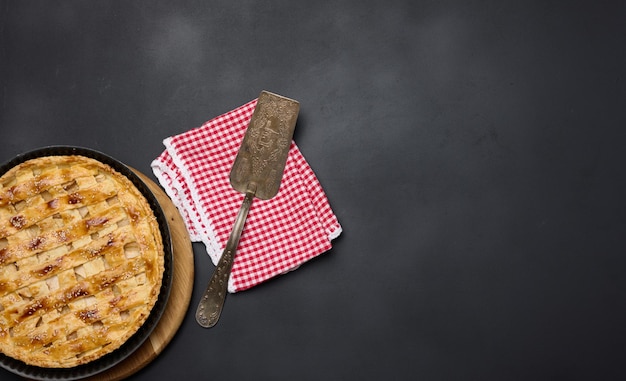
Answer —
178 302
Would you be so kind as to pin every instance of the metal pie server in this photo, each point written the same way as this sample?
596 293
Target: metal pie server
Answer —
256 172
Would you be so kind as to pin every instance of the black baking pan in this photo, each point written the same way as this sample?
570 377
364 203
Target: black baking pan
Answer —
135 341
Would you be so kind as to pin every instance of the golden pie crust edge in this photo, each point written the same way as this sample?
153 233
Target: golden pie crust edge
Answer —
81 261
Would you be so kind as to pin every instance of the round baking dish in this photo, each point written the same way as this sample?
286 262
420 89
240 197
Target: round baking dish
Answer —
135 341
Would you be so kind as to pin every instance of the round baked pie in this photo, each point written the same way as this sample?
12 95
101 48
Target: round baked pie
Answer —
81 261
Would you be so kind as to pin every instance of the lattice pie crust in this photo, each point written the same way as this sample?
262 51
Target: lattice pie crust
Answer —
81 261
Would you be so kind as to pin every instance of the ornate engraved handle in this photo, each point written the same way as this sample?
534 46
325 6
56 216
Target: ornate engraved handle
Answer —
212 301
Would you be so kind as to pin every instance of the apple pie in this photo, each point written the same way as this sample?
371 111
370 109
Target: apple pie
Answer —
81 261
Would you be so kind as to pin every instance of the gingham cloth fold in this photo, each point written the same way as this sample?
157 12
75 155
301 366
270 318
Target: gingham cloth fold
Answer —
280 234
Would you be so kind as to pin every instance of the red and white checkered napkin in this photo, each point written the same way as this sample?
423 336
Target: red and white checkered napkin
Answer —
280 234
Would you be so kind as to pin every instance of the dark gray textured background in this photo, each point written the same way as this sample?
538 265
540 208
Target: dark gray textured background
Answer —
472 150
